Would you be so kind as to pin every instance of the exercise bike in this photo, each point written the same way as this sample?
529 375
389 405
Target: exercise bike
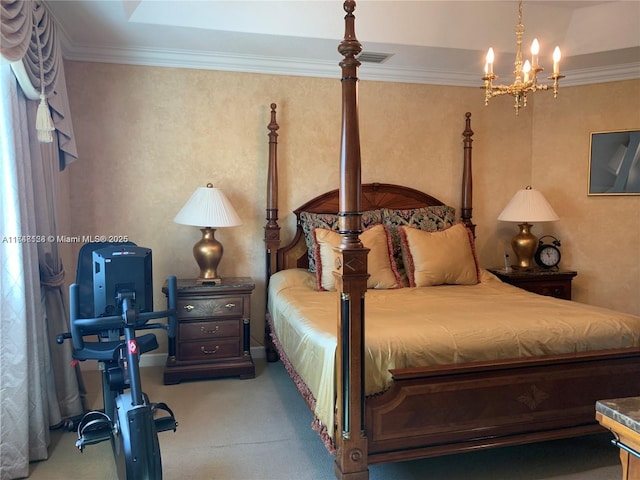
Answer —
122 305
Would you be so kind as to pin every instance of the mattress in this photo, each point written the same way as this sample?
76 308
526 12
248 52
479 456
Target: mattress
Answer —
426 326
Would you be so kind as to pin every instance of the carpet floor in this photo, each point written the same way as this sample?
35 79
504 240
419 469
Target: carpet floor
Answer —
231 429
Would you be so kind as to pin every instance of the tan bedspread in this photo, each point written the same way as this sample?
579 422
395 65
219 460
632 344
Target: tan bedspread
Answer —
440 325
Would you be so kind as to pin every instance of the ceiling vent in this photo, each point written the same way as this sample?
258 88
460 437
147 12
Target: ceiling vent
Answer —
373 57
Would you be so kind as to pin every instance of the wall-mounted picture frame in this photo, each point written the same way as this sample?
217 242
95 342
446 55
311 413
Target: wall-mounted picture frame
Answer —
614 163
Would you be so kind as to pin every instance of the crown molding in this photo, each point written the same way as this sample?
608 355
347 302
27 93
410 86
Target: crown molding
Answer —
321 69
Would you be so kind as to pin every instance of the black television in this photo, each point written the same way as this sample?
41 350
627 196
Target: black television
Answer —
122 269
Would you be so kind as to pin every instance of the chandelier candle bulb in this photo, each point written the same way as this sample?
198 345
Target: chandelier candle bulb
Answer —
526 69
556 60
489 64
535 50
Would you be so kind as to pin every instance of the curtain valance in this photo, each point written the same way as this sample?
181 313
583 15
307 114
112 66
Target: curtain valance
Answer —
43 58
17 25
29 40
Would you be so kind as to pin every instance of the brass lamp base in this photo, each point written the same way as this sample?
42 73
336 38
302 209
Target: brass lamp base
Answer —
208 253
524 245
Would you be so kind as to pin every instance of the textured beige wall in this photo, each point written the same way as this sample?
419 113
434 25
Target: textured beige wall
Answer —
148 136
600 234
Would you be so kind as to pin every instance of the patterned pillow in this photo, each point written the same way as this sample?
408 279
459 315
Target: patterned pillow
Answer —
438 258
329 221
430 219
380 265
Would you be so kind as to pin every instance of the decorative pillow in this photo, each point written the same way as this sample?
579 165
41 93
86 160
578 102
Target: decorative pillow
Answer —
380 265
309 221
436 258
430 219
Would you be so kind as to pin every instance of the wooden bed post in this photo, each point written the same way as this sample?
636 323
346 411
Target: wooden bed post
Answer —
467 180
272 229
351 275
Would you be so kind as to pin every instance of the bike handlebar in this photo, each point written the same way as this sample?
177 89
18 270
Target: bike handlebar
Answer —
118 321
91 326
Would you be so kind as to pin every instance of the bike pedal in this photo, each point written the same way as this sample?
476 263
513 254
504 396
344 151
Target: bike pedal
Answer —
166 423
95 427
92 437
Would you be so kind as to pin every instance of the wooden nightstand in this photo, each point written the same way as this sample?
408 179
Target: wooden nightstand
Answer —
213 334
553 283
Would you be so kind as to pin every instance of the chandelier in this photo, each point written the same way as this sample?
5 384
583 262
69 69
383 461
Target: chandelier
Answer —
526 74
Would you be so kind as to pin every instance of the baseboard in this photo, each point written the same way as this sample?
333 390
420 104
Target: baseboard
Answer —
159 359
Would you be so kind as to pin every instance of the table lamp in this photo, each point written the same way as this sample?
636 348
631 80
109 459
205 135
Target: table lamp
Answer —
527 205
208 208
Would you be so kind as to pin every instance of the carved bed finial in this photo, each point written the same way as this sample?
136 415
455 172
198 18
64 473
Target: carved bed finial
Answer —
350 46
467 129
349 6
273 125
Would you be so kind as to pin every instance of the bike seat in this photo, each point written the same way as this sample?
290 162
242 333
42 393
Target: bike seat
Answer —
107 351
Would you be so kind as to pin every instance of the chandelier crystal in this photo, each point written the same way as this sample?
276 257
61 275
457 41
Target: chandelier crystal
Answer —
526 74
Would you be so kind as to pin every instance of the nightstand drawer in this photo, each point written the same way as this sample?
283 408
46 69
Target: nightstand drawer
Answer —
209 350
551 289
210 329
210 307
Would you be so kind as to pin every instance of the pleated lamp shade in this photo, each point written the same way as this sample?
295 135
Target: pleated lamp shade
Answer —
208 207
528 205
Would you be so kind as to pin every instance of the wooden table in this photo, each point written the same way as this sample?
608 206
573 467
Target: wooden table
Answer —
622 417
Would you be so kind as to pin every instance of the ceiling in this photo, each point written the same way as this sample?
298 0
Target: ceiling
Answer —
436 42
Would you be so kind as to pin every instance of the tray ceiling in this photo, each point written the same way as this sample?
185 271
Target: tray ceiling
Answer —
438 42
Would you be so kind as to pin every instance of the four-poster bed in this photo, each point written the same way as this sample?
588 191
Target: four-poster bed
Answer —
336 330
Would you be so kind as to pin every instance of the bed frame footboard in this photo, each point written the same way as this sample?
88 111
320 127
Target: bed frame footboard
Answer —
451 409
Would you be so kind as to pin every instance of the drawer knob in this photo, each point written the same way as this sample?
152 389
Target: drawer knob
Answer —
229 306
209 352
188 308
203 329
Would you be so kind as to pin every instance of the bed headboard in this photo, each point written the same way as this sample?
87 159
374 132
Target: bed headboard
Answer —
373 196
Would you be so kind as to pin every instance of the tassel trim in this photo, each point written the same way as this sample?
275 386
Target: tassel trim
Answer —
44 122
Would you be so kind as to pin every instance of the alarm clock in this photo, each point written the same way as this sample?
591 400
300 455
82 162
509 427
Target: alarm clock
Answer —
548 254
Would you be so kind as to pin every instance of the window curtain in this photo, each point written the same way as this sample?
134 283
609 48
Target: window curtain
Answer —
38 386
24 417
